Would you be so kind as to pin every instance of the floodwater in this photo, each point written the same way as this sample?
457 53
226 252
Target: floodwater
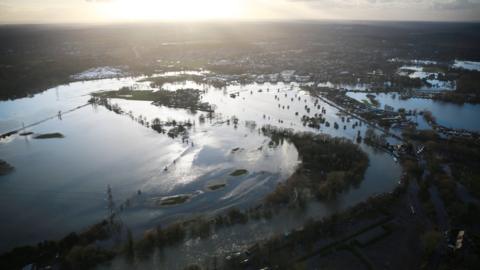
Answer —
468 65
59 185
240 237
447 114
432 78
355 87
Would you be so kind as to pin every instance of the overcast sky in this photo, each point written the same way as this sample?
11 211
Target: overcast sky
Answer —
93 11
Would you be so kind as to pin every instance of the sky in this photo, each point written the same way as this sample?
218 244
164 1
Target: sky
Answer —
106 11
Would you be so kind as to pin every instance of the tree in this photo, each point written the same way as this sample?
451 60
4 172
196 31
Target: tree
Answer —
129 248
111 204
430 240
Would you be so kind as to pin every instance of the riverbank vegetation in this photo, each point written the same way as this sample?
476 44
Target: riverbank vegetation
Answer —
216 186
171 128
373 139
329 166
159 81
174 200
467 90
54 135
181 98
239 172
428 116
74 251
5 167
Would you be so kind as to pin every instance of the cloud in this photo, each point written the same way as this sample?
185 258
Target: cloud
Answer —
4 9
115 10
410 10
458 4
407 4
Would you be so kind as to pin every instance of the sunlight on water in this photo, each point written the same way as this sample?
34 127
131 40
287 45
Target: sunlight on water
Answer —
102 148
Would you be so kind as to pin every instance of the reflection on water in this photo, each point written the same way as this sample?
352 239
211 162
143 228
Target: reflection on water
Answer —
61 98
184 85
345 86
223 242
200 72
62 182
447 114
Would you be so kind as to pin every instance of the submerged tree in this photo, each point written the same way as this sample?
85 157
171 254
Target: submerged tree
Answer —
111 204
129 247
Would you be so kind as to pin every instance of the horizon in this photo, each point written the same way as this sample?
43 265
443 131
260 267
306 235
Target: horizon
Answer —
300 21
172 135
149 11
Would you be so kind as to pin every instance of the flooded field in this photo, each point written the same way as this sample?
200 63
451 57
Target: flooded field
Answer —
224 161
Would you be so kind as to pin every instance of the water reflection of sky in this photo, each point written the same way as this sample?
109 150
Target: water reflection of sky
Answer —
447 114
62 182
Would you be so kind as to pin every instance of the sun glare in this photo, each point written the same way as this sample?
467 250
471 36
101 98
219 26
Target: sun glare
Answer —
170 10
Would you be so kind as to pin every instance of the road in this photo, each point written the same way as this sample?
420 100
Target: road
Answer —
345 111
